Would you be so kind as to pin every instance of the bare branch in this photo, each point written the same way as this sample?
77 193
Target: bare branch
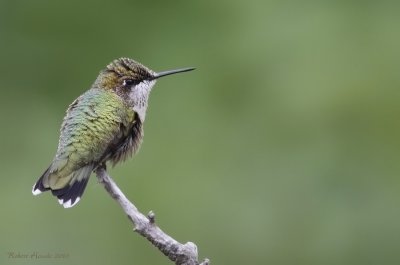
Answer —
181 254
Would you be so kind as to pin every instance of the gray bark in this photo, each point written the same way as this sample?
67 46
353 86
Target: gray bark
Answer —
181 254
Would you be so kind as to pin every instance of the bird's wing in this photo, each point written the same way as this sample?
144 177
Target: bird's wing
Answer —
92 121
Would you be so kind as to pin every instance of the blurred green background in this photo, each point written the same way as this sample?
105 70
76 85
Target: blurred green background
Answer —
281 148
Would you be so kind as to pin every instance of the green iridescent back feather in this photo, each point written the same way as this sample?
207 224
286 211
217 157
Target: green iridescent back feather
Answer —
97 128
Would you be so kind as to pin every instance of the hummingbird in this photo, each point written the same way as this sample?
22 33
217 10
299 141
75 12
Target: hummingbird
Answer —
104 124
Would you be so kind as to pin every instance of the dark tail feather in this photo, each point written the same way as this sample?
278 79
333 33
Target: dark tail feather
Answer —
71 194
38 187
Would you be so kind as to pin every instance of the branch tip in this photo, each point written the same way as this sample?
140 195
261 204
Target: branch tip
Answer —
152 217
205 262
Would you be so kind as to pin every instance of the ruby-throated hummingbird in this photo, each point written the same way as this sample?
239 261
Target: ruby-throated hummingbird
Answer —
103 124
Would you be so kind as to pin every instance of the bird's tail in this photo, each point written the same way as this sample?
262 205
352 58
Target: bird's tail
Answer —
71 192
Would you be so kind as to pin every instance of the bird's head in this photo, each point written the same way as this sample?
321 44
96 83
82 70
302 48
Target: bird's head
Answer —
132 81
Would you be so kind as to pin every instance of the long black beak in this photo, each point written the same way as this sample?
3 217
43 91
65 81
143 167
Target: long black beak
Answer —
171 72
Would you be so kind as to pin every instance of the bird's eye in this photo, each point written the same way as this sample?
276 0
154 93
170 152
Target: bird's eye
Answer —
128 82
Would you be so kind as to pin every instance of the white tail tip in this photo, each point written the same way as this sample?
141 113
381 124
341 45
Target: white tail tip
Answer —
68 204
35 191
